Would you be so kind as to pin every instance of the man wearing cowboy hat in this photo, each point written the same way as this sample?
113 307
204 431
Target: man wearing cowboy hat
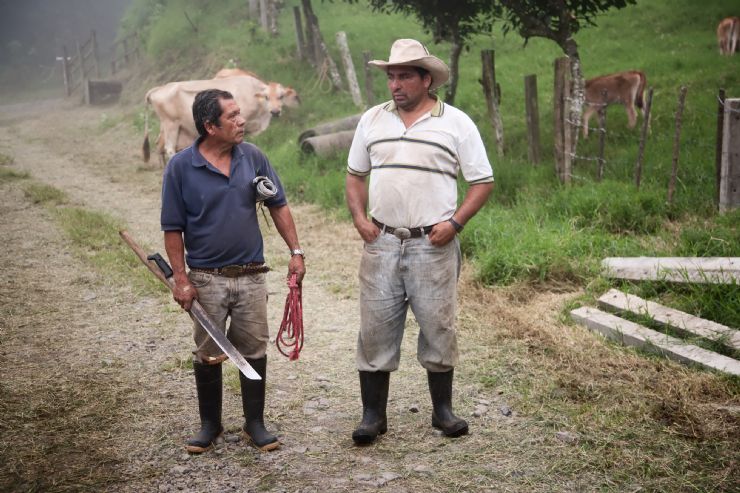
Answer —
413 148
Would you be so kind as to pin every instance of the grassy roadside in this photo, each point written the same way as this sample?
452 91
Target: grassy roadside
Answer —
94 235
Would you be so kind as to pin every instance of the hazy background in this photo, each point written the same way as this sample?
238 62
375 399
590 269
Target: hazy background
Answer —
32 32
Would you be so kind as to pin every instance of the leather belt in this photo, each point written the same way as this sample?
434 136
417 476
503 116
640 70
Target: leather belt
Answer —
233 270
403 233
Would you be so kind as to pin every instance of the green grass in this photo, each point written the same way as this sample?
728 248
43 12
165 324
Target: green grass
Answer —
95 237
40 193
534 229
12 175
5 159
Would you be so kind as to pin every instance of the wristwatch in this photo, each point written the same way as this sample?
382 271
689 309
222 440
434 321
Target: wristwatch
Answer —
298 251
458 227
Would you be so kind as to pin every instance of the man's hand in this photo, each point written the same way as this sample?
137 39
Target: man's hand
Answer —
297 266
442 233
367 229
184 293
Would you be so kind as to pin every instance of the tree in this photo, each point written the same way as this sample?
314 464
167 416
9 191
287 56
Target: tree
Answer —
559 21
446 20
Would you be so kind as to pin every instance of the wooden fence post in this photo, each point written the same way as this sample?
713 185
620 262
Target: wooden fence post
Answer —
299 33
562 128
349 68
676 144
369 90
94 50
729 194
533 118
718 148
81 62
643 137
602 136
311 48
489 89
263 15
65 70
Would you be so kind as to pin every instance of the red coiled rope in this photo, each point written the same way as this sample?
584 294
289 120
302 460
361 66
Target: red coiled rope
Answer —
289 339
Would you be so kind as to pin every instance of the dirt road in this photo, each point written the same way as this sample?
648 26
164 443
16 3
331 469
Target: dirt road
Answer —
97 393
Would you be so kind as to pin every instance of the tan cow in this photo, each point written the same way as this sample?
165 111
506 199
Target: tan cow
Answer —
173 104
286 95
728 35
624 88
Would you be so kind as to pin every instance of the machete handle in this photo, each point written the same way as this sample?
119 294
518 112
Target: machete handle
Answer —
161 263
151 263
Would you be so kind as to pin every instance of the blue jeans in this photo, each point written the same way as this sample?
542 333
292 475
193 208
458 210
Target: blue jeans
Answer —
395 275
244 300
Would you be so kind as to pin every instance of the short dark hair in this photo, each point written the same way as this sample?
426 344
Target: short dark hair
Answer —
207 108
422 72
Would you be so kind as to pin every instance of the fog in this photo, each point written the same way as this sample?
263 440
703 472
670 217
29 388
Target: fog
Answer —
32 32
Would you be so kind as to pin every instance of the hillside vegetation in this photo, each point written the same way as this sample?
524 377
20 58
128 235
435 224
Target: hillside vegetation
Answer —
534 230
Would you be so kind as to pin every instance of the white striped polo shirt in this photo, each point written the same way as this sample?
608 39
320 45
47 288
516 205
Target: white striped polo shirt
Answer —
413 171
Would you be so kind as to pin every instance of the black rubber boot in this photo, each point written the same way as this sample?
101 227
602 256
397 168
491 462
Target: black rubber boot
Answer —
440 387
374 391
208 385
253 401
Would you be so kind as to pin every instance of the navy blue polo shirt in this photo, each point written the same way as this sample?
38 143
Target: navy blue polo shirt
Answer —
216 213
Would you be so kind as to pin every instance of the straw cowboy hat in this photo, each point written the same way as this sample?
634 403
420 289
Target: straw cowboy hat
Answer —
411 52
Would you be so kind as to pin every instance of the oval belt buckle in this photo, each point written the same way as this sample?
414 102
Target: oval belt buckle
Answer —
402 233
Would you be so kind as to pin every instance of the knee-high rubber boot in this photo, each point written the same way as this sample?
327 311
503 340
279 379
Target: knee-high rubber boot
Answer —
374 391
253 402
208 384
440 387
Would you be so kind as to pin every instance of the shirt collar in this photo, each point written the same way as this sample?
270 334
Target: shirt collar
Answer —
436 110
198 159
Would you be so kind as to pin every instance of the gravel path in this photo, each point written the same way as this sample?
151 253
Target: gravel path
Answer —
110 401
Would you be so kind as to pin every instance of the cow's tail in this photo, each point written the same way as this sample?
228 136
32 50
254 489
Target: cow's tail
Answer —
145 149
639 101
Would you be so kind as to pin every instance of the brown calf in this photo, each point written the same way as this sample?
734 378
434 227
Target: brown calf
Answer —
728 35
624 88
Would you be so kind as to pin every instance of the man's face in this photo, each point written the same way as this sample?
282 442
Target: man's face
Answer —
231 123
407 87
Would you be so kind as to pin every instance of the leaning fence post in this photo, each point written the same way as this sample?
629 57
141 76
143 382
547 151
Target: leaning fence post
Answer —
263 15
643 137
349 68
533 118
562 129
718 149
301 47
489 89
369 92
602 135
676 144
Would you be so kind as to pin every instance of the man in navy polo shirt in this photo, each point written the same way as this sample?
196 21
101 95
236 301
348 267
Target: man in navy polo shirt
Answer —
209 219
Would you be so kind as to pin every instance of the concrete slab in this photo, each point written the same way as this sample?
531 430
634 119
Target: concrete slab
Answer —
617 301
632 334
716 270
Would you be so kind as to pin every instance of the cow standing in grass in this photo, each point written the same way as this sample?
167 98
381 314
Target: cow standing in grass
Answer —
625 88
728 35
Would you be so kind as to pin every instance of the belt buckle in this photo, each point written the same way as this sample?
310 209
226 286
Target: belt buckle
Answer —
232 270
402 233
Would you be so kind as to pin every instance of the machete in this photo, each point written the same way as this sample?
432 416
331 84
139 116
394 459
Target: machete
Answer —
160 268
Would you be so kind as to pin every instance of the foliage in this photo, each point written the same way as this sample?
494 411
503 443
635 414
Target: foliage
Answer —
555 20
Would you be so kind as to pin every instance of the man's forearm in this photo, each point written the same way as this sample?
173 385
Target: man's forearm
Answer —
475 198
285 225
175 248
356 196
